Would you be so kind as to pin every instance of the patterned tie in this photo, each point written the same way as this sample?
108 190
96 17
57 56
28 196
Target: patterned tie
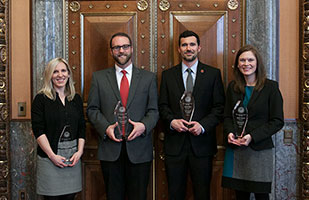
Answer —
124 88
189 82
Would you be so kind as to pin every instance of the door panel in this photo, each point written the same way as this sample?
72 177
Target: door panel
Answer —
94 185
97 55
154 26
209 26
91 25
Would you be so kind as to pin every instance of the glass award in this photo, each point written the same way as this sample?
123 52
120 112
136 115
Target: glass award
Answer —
240 118
66 145
187 106
121 116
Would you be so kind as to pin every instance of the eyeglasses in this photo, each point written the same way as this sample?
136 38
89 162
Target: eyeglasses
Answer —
124 47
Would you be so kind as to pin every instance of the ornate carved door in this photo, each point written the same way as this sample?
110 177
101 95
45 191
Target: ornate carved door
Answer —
154 26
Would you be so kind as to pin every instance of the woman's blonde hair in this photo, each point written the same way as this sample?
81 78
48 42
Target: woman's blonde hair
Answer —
48 88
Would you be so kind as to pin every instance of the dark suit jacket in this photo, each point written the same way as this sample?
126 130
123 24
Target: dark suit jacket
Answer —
142 106
208 93
265 114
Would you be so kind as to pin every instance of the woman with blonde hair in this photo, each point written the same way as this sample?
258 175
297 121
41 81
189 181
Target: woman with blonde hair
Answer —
58 124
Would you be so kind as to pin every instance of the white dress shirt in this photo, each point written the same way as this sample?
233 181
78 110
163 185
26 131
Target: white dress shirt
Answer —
119 74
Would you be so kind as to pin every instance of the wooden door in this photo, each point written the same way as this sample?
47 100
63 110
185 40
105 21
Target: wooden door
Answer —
154 27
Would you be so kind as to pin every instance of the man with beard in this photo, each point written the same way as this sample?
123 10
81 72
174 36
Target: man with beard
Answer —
190 145
125 160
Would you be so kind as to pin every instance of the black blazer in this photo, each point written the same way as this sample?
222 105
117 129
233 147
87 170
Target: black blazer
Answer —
265 112
208 93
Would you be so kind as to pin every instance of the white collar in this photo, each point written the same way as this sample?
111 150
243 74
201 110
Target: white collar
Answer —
193 67
128 69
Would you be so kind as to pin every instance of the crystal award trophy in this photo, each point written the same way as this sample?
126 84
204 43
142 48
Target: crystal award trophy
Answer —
66 145
121 116
240 118
187 106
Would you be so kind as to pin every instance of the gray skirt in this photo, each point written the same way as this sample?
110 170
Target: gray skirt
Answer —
54 181
248 170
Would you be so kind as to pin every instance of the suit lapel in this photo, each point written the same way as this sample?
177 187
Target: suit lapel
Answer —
179 79
200 73
253 98
136 75
111 76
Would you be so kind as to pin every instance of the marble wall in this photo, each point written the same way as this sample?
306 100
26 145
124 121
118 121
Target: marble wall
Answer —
47 36
261 31
23 160
287 157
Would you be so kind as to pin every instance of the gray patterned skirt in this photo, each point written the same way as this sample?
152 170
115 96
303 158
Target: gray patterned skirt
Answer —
248 170
54 181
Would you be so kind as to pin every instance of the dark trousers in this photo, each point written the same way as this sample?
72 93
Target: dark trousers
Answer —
240 195
61 197
125 179
177 168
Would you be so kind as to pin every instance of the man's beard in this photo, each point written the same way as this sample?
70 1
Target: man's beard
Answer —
128 57
189 59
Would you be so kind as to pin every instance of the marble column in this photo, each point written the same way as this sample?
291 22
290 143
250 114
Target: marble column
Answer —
47 36
262 26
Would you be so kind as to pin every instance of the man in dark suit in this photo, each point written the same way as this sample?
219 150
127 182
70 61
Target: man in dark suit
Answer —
190 145
125 161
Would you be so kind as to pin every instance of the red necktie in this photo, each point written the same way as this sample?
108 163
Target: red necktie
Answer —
124 88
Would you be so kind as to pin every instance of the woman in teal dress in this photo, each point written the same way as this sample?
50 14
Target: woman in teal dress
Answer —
248 163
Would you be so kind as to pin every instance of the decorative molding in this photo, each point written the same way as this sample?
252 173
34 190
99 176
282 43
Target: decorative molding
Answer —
232 4
304 98
164 5
152 31
75 6
3 53
154 43
2 24
5 162
142 5
65 25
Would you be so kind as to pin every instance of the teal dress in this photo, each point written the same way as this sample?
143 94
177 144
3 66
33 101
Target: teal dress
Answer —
246 169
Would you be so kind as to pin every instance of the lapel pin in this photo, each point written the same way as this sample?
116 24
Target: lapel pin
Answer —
202 71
